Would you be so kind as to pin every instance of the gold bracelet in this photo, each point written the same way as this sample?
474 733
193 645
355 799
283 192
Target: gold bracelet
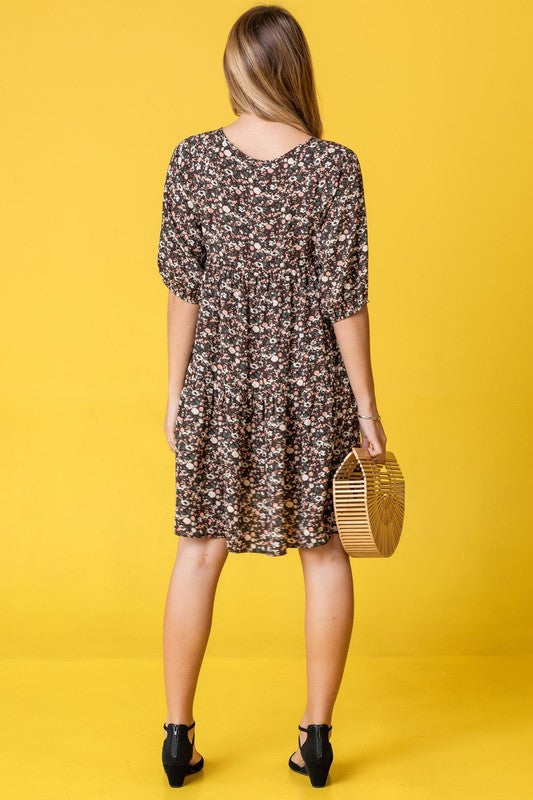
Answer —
363 416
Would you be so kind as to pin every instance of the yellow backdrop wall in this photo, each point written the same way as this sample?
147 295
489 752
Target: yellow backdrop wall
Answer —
432 97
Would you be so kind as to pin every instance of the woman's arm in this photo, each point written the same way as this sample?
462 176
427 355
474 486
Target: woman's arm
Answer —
182 317
353 338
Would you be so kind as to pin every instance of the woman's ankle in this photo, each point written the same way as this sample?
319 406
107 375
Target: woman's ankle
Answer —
315 719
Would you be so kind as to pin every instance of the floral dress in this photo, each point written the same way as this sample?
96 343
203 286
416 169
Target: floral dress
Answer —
274 252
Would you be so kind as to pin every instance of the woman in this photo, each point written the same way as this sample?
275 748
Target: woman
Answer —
263 248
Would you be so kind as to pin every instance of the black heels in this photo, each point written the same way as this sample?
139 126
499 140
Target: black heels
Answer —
317 754
177 752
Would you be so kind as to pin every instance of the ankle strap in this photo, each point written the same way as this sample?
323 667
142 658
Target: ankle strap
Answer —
193 723
305 729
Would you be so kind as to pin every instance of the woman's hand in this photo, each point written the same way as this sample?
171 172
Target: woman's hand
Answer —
169 425
373 437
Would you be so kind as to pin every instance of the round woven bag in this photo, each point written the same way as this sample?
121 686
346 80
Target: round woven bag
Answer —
369 502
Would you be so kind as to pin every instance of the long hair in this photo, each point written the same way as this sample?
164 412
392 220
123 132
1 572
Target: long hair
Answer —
268 69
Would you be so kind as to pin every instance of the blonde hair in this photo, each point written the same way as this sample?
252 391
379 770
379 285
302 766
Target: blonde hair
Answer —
267 65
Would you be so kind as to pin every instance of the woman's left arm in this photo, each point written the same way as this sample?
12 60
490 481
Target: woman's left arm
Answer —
181 325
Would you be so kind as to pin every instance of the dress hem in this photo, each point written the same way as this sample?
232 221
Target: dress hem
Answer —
262 551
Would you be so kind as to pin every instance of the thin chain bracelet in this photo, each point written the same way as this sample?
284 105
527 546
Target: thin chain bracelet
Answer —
364 416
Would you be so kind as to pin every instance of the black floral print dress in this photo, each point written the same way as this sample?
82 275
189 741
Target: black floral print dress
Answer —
273 252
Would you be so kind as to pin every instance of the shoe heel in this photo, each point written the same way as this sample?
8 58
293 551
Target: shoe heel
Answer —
177 752
317 753
175 773
318 773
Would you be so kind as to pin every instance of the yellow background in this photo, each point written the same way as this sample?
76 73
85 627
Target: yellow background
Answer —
433 97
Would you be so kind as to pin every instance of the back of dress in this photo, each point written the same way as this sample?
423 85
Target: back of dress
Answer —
273 251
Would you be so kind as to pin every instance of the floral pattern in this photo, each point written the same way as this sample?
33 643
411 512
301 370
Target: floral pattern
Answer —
274 252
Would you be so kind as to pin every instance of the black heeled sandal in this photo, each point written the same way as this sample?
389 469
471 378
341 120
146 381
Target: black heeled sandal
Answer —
317 754
177 752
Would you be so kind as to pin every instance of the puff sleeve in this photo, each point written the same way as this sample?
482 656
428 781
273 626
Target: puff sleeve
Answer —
342 245
181 251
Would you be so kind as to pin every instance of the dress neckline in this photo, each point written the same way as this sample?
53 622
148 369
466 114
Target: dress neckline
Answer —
242 155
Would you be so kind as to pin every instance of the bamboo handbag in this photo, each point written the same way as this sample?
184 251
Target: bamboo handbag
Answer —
369 502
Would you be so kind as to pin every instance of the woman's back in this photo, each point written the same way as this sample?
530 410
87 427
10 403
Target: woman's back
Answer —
273 251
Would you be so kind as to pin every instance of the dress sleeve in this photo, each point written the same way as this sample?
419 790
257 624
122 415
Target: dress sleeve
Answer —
181 251
342 245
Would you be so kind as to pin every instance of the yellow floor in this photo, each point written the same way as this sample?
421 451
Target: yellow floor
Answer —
428 728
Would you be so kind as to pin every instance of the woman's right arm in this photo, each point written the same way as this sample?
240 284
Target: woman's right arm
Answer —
353 338
181 326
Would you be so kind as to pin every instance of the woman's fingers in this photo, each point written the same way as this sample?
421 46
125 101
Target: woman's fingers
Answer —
373 439
170 436
171 420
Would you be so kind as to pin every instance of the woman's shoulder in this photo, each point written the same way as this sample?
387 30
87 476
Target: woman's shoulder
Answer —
341 154
190 145
191 153
337 148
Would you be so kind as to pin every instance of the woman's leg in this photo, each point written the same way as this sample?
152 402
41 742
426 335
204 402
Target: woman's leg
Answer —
329 615
187 623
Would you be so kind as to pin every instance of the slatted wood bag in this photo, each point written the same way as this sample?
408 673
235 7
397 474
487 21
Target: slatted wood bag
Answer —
369 502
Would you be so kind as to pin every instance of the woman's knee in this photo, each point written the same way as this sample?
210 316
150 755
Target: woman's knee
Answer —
332 549
203 552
